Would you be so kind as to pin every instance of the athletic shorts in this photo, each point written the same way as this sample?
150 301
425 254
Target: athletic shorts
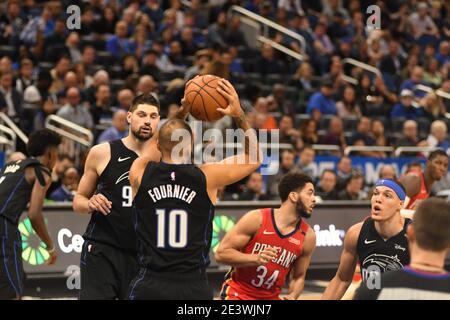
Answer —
232 291
12 276
106 271
156 286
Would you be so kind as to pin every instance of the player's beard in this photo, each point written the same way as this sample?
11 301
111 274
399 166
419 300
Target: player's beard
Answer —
301 210
142 136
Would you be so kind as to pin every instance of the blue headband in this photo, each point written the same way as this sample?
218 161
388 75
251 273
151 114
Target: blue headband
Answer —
392 185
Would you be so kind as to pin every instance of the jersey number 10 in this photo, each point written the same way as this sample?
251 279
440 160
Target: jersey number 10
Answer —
177 228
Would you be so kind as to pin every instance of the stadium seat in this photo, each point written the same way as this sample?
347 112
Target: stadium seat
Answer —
9 51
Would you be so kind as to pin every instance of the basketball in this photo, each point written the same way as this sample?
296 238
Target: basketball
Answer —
201 92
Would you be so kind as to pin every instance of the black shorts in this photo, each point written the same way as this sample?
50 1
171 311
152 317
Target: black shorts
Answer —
106 271
155 286
12 276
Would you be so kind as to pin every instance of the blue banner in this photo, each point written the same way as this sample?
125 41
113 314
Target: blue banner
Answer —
369 166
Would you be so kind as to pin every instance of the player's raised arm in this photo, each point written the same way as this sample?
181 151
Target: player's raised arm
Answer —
347 265
230 248
235 168
85 201
301 265
36 217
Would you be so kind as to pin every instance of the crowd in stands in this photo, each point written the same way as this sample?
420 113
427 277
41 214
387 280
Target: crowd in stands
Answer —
126 47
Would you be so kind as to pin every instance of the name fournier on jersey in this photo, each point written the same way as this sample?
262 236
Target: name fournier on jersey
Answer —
285 257
172 191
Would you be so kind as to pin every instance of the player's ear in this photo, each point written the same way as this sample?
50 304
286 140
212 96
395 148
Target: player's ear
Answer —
129 117
293 196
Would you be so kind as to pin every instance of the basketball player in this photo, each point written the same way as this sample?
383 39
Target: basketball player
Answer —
22 182
108 257
418 184
267 244
425 278
379 243
174 209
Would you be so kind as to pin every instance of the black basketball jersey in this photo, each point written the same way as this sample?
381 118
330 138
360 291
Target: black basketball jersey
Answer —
15 191
174 217
377 255
115 228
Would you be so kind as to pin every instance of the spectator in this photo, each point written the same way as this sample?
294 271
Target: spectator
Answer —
124 99
388 171
11 24
415 79
101 108
43 24
308 131
233 35
321 103
363 132
377 132
354 188
323 47
287 164
88 58
32 102
10 99
253 188
262 116
293 7
344 169
306 161
326 188
432 106
335 134
119 45
348 107
188 45
6 65
278 102
101 77
267 63
149 66
443 55
421 22
69 186
405 109
72 46
146 85
230 58
199 15
58 73
409 138
140 42
54 43
63 162
432 74
303 80
25 78
130 66
47 108
438 135
106 23
118 130
217 32
288 134
392 63
75 112
173 61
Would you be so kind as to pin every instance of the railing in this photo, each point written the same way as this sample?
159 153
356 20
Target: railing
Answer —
351 149
281 48
326 147
361 65
401 150
8 145
9 123
76 137
266 24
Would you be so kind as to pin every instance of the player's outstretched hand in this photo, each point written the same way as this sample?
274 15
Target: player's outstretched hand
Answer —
100 203
184 109
266 256
226 89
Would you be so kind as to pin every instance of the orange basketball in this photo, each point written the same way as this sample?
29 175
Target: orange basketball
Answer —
204 99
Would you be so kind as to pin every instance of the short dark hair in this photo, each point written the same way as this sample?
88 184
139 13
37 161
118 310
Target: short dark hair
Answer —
436 153
329 171
431 224
144 98
292 181
40 141
166 130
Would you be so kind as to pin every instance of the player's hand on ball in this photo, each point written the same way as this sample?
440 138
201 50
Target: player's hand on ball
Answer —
266 256
100 203
184 110
227 90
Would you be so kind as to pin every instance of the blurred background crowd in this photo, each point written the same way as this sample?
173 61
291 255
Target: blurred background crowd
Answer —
89 76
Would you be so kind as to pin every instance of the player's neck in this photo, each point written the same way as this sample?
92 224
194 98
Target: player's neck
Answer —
428 179
286 216
391 227
135 144
426 258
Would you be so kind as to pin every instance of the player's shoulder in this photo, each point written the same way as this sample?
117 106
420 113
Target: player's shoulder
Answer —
352 235
100 150
252 219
